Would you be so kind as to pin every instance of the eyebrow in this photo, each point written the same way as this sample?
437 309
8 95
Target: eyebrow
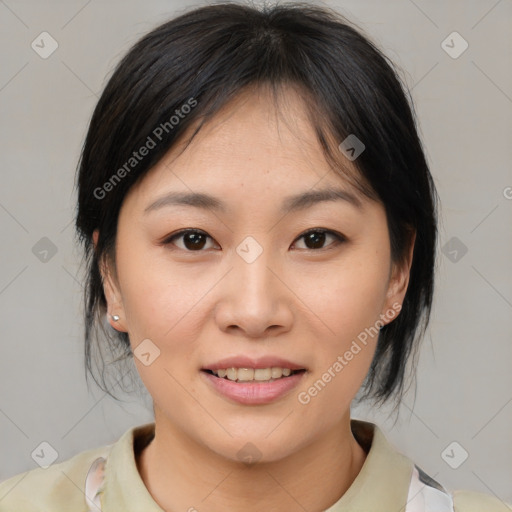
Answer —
290 204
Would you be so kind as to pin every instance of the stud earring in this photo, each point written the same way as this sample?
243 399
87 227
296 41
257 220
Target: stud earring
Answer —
115 318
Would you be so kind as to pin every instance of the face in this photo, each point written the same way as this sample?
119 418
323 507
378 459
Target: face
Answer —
246 283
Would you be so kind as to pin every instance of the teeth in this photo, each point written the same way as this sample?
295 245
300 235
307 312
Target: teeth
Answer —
263 374
245 374
251 374
276 372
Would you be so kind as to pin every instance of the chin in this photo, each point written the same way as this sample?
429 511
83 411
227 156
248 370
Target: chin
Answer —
250 449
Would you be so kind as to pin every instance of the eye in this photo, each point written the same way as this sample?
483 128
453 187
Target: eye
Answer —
314 239
193 239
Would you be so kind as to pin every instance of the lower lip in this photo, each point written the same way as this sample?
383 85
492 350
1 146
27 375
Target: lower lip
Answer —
254 392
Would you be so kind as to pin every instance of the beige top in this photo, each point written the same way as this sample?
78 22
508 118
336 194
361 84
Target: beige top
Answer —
384 484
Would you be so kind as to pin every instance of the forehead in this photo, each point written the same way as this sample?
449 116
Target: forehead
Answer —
257 126
252 143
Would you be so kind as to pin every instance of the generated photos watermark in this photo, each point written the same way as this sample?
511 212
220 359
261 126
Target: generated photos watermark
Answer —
342 361
151 142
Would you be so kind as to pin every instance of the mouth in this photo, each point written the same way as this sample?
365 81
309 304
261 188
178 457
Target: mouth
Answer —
253 386
257 375
251 380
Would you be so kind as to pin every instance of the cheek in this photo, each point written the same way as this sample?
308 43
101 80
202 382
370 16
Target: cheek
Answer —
162 308
162 305
156 295
349 304
352 294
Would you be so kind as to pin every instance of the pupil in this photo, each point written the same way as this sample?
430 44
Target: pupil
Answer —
195 239
317 238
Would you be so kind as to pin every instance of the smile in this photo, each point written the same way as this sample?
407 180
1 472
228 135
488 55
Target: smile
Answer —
254 374
252 386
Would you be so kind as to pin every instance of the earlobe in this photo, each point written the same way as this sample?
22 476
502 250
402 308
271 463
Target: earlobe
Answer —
116 322
115 311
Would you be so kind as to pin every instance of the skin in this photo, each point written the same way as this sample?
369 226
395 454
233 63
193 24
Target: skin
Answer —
294 301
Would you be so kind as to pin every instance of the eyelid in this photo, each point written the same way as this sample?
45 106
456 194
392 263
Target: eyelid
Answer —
340 238
169 239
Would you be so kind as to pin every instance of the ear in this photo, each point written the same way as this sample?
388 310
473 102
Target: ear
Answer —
111 290
398 283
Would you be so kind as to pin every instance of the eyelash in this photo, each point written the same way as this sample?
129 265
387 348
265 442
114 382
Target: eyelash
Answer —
339 238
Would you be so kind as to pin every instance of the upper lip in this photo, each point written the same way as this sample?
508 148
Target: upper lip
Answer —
249 362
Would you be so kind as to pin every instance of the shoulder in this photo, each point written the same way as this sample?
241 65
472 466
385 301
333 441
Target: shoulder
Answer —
471 501
59 487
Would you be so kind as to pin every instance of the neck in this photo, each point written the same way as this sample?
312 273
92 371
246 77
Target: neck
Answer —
180 474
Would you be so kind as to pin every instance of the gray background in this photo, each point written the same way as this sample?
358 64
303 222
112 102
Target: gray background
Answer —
464 105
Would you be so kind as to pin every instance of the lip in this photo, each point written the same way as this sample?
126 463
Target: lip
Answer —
252 392
248 362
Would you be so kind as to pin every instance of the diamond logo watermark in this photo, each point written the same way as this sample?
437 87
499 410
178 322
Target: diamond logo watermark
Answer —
454 455
249 454
44 249
352 147
249 249
44 455
454 249
454 45
146 352
44 45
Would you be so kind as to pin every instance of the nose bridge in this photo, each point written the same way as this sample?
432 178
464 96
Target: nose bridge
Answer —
255 301
251 269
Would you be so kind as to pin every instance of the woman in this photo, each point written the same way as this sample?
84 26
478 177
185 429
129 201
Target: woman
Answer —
259 225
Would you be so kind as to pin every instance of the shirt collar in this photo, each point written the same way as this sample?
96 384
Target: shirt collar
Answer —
123 487
382 482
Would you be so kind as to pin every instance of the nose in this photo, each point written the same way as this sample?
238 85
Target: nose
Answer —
255 300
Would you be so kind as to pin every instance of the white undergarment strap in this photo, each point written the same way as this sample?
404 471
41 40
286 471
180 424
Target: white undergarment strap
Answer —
93 484
426 495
